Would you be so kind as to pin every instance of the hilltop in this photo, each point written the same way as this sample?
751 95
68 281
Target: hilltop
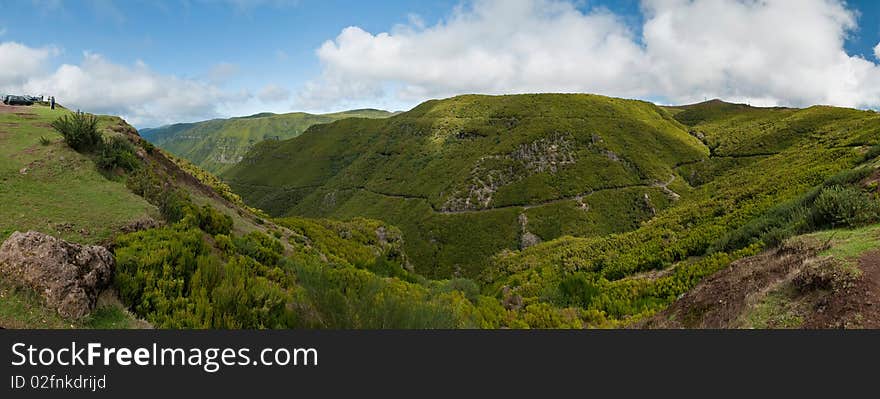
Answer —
217 144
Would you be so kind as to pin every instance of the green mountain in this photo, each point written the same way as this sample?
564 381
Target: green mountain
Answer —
189 254
217 144
610 208
531 211
468 177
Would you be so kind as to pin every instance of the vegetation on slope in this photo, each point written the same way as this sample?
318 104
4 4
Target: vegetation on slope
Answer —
626 253
733 214
217 144
750 178
49 187
216 264
469 176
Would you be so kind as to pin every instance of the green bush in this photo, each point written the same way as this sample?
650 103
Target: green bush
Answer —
577 289
213 222
259 246
80 131
117 152
845 207
174 205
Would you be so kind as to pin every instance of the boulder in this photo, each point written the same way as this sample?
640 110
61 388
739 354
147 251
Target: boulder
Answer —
68 276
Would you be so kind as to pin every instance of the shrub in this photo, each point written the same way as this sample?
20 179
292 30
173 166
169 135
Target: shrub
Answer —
148 146
174 205
577 290
213 222
117 152
845 206
260 247
45 141
80 131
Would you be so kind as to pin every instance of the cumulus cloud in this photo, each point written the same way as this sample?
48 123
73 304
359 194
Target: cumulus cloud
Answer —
273 93
877 51
135 92
787 52
18 62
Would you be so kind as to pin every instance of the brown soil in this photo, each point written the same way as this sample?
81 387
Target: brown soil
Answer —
856 306
719 300
14 109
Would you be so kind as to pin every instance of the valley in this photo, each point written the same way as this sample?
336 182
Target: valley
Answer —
519 211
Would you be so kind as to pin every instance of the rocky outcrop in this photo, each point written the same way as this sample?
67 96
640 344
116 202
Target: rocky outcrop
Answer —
68 276
492 172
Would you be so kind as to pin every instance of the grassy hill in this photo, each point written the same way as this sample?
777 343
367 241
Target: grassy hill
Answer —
540 211
210 262
37 190
774 174
470 176
217 144
635 204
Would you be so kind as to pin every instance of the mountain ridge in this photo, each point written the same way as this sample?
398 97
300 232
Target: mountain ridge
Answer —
216 144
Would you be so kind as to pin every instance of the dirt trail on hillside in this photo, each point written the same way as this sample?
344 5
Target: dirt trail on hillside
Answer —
577 198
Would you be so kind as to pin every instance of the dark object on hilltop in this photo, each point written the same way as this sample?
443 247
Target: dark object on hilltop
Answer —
68 276
17 100
52 102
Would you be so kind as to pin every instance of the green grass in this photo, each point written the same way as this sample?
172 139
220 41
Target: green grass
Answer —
848 244
23 308
217 144
55 190
775 310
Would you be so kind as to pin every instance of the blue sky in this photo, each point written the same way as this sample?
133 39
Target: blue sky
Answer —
257 55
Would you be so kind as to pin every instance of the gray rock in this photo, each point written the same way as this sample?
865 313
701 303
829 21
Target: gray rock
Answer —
68 276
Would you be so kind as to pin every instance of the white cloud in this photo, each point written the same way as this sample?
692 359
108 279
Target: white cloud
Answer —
769 52
877 51
273 93
18 62
135 92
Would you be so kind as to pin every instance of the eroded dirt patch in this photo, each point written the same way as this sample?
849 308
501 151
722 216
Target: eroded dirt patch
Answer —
855 306
720 300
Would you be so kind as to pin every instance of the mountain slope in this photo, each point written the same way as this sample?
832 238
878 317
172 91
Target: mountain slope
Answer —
476 182
208 261
469 176
829 279
817 161
217 144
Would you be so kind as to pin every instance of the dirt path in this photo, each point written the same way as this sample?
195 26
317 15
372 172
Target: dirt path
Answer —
577 198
